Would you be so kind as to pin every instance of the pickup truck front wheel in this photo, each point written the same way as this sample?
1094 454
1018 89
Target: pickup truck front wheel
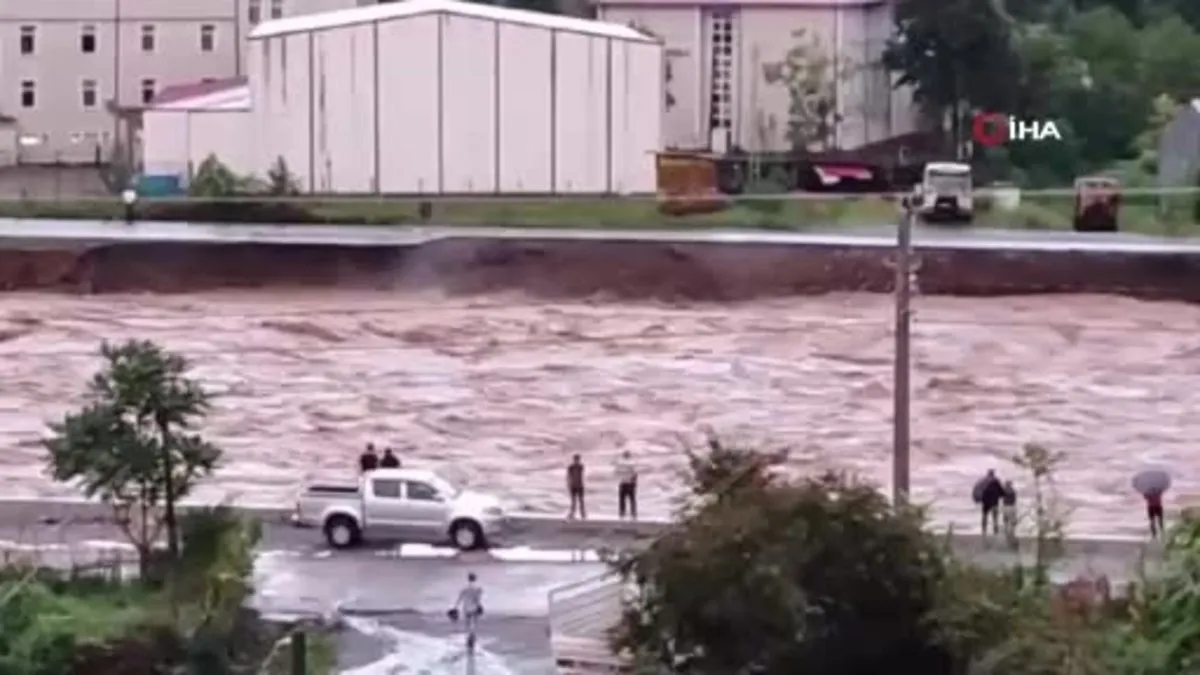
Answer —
342 532
467 535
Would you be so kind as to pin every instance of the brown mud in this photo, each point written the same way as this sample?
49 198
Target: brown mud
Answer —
564 269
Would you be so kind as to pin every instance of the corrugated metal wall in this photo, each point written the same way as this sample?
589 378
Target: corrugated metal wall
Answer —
453 104
176 142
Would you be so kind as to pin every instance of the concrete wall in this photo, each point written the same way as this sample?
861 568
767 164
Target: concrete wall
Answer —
442 103
852 33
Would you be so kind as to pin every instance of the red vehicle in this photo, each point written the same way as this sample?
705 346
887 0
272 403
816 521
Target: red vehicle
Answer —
1097 203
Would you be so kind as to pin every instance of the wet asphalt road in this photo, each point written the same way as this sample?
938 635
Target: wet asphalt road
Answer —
395 607
395 597
67 526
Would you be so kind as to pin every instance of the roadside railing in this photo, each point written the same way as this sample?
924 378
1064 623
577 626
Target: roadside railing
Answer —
581 615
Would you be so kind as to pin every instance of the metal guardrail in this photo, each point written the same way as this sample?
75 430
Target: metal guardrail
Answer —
587 608
586 657
581 615
84 559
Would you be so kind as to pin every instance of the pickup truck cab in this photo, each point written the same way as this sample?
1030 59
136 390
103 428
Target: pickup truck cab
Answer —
410 505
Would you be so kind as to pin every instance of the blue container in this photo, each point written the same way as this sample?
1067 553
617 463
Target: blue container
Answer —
161 185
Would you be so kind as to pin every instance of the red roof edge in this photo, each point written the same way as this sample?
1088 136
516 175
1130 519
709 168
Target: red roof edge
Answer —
180 92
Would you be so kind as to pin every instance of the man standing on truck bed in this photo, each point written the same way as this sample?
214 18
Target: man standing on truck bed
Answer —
390 460
575 487
369 460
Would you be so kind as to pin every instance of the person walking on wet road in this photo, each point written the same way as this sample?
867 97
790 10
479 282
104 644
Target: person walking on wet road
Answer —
469 606
1009 509
1154 512
988 493
575 487
369 460
390 460
626 486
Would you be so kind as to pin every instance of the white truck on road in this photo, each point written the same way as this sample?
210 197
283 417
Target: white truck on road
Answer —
409 505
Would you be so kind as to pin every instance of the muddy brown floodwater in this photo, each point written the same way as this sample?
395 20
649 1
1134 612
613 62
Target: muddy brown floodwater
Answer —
503 389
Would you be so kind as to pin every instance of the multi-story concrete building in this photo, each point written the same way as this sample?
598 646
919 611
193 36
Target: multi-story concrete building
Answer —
719 55
67 66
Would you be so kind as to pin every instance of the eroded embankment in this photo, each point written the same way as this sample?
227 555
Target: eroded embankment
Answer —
702 271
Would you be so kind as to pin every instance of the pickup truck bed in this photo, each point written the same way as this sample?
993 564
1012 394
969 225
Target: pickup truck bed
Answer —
317 498
341 490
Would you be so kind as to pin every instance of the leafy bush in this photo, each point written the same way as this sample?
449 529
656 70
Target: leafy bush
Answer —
45 623
819 575
759 191
773 576
240 211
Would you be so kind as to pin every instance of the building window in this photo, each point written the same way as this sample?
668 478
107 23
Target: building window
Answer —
87 40
28 39
208 37
721 50
254 12
147 38
88 94
147 91
28 93
276 9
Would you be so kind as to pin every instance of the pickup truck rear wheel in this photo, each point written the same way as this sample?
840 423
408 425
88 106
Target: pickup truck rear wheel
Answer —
342 532
467 535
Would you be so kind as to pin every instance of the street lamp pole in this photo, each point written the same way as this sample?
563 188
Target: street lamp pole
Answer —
902 393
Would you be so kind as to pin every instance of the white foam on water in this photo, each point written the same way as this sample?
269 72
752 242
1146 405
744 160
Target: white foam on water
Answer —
511 555
526 554
417 654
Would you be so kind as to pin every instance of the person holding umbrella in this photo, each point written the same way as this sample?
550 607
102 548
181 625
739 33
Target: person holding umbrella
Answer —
1154 511
1152 484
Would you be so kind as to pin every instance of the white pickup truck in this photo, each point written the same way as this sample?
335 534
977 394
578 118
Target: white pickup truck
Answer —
410 505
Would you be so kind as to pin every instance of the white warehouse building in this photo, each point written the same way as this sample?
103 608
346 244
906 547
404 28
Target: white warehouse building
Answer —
185 124
445 97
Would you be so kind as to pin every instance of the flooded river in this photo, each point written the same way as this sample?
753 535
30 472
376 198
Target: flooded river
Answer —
504 390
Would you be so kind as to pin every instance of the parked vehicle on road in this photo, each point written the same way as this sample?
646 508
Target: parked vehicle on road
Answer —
945 193
1097 204
409 505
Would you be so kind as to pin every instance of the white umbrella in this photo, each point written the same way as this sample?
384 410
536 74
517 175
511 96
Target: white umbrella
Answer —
1151 482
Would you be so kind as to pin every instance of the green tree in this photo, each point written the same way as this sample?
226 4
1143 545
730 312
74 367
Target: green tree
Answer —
1110 109
956 55
1187 10
778 577
133 444
1162 636
813 78
280 180
215 180
1170 50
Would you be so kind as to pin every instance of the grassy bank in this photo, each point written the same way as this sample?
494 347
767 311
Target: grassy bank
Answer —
1139 214
605 213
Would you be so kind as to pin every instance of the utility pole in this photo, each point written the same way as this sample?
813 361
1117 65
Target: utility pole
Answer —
901 387
299 652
